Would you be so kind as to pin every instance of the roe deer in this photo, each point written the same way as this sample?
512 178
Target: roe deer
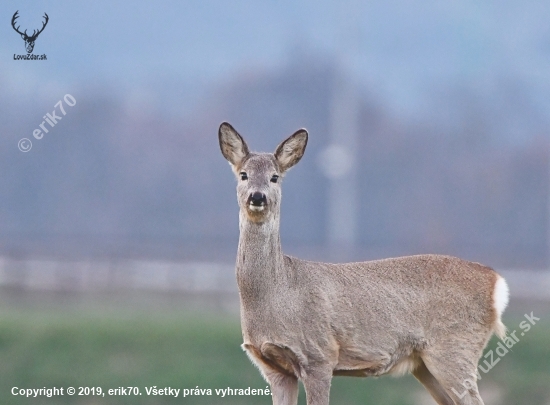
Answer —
431 315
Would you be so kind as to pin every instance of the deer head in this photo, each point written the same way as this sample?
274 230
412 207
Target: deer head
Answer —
29 40
259 174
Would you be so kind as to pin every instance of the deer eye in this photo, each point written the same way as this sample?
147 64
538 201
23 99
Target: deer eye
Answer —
243 175
274 178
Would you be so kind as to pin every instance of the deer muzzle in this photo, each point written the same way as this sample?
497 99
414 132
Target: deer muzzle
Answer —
257 201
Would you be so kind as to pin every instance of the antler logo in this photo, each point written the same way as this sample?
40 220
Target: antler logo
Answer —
29 40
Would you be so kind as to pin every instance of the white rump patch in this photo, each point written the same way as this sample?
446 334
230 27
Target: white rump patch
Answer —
501 295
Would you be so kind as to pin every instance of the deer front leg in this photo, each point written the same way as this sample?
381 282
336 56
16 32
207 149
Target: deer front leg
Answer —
284 388
283 383
317 386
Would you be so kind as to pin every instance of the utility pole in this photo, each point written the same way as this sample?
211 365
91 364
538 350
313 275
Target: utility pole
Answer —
339 159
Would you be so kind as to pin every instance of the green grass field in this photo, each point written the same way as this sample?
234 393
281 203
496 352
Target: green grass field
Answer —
46 348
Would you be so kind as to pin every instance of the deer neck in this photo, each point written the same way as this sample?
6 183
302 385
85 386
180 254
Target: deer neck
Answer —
260 260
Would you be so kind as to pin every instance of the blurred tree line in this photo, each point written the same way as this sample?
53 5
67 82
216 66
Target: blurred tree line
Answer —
470 179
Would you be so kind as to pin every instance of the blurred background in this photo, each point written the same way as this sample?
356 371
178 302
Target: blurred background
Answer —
429 129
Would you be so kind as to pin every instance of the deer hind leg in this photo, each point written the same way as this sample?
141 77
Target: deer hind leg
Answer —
433 386
456 374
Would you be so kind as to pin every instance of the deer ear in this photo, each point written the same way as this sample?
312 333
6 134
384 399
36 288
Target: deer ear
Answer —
291 150
233 146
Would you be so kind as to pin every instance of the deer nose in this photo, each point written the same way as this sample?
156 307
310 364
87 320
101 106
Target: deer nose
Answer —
257 199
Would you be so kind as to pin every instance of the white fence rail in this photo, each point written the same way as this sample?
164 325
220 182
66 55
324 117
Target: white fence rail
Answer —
116 274
97 275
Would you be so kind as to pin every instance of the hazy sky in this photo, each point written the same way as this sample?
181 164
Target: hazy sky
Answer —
401 51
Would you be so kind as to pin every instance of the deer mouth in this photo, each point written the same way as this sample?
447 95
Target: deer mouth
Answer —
256 208
257 202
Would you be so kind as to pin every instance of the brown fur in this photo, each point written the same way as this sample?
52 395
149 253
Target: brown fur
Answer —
431 315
